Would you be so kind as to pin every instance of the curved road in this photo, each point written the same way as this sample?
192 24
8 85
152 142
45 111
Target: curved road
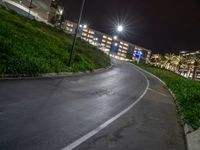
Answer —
50 114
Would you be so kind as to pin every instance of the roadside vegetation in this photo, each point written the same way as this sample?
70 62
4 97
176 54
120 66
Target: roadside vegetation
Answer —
28 47
187 93
185 65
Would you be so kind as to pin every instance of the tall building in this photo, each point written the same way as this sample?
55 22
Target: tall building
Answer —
69 27
106 43
115 47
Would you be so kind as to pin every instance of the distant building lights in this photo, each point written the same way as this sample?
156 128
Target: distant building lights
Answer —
115 37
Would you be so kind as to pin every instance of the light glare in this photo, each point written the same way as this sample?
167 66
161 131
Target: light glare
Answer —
120 28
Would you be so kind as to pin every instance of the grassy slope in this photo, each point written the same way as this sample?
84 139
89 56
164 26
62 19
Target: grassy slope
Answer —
30 47
187 93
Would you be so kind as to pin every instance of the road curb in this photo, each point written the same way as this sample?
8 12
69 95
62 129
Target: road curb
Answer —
192 137
54 75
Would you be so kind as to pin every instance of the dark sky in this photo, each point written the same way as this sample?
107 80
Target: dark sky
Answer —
160 25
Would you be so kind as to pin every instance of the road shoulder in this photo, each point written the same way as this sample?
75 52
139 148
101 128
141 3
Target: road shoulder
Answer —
192 137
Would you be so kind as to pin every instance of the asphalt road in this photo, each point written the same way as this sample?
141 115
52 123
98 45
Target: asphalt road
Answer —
50 114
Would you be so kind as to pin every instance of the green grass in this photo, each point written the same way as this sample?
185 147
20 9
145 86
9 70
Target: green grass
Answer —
187 93
30 48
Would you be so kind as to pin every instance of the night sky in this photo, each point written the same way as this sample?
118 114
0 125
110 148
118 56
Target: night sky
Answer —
163 26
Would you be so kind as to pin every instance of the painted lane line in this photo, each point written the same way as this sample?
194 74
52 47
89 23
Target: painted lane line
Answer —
158 92
170 91
104 125
150 74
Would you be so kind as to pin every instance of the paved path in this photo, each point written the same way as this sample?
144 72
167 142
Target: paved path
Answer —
50 114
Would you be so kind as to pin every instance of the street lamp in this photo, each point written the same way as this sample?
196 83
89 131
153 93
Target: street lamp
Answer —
120 28
76 33
30 7
84 26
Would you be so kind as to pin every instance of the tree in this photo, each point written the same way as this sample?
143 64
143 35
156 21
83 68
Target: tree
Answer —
168 60
182 63
156 59
196 64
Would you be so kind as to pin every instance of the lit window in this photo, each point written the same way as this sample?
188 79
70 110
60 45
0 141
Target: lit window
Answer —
105 37
125 44
110 39
85 30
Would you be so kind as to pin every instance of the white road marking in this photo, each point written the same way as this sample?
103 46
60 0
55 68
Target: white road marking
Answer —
151 74
158 92
170 91
102 126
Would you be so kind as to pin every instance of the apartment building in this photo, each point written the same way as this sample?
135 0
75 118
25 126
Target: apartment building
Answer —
115 47
69 27
106 43
186 53
88 35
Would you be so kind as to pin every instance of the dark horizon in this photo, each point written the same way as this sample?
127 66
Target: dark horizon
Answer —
163 27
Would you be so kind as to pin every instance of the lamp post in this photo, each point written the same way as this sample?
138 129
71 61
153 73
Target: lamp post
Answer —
118 30
76 32
30 7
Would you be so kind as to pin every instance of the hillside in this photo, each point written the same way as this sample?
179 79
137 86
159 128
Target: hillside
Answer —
30 48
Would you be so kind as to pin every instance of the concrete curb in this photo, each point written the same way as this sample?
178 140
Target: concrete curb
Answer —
193 140
54 75
192 137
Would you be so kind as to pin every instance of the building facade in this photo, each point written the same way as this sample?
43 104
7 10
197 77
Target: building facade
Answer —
189 72
186 53
117 48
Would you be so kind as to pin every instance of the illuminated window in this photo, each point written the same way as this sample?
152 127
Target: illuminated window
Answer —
126 44
85 30
108 42
110 39
84 34
105 37
125 48
91 32
108 46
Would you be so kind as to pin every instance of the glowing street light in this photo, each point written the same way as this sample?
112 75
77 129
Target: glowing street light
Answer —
120 28
115 37
84 26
